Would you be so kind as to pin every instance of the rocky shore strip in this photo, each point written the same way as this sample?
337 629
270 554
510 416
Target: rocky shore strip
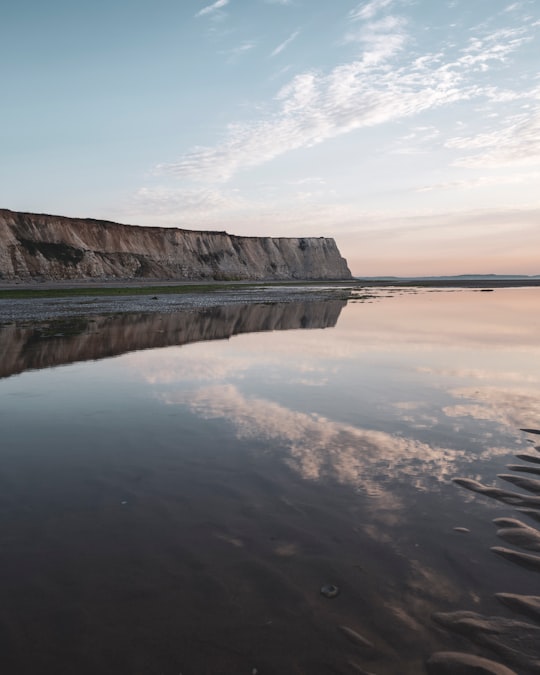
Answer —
45 308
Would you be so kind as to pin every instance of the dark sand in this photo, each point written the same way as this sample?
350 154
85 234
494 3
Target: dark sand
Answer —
120 565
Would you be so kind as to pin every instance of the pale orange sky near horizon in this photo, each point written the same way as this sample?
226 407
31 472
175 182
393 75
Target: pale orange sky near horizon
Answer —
462 246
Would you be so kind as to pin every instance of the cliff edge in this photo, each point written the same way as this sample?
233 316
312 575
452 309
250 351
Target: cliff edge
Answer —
35 246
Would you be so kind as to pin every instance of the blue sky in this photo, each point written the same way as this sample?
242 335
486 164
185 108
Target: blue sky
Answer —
407 129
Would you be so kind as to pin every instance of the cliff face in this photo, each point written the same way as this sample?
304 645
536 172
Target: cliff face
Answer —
55 247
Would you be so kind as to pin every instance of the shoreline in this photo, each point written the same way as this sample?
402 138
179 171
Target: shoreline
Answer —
137 285
45 308
45 301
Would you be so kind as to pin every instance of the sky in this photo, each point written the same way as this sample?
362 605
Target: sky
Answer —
408 130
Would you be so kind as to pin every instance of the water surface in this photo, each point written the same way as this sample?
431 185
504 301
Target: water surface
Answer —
176 489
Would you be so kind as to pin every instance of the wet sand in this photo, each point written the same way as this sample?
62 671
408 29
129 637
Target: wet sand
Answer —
122 559
138 565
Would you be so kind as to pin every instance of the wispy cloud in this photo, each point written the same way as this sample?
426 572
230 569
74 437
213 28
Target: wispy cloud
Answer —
373 89
240 50
367 10
513 7
309 180
281 47
483 181
419 140
494 47
517 142
190 205
210 9
380 40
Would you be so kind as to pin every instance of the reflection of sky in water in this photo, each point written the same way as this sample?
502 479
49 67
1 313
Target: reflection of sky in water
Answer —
410 386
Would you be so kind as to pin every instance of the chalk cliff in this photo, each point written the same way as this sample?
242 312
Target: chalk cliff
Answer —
55 247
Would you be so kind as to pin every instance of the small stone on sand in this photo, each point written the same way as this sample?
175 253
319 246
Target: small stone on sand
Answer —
330 590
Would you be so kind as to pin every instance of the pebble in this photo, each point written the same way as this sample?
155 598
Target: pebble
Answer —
330 590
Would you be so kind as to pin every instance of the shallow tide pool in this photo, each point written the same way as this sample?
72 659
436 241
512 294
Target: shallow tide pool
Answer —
176 489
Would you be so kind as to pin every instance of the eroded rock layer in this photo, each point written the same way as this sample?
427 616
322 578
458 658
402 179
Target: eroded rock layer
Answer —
54 247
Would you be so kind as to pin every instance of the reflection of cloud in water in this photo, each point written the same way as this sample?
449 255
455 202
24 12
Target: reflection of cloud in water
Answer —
169 365
510 407
479 374
232 359
408 405
306 382
418 420
317 447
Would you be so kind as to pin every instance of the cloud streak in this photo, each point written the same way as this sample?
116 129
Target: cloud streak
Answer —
210 9
483 181
281 47
240 50
368 10
515 143
192 205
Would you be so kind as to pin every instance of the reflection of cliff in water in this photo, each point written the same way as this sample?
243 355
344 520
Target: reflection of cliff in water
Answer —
62 341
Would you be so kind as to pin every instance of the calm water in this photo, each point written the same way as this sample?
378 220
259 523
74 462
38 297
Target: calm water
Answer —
176 489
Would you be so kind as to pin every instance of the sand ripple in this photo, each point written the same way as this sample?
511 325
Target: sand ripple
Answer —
457 663
529 484
524 604
530 562
514 640
517 533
